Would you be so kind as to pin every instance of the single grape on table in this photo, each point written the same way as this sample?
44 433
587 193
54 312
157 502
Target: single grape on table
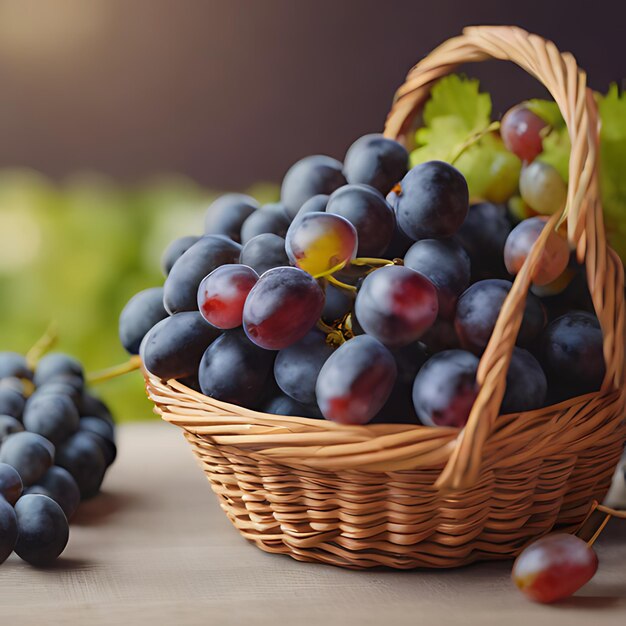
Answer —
554 567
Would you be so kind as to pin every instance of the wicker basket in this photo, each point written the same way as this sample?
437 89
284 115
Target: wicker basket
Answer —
406 496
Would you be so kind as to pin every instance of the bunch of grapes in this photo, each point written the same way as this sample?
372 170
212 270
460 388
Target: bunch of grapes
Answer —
56 442
369 293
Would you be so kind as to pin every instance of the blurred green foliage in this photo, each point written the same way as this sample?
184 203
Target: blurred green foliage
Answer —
74 253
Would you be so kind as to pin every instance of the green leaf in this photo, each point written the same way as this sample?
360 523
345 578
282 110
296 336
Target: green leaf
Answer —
458 96
556 151
547 110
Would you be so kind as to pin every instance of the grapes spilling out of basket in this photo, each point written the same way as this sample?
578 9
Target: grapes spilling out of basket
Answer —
57 441
371 290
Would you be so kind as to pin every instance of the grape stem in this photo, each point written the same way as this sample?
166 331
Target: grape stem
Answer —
608 514
360 261
340 285
471 140
42 345
134 363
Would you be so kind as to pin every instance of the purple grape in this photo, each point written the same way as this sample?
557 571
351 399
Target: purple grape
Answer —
376 161
356 381
309 177
226 215
445 388
282 307
478 309
432 201
447 267
367 210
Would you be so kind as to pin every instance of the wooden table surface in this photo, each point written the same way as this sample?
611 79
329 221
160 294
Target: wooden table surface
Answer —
155 548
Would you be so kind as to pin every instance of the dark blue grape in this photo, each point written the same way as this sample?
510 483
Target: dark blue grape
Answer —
235 370
526 384
8 530
228 213
445 388
57 483
90 405
11 402
43 530
309 177
399 406
180 291
175 250
264 221
174 347
483 234
11 485
572 353
396 305
368 211
53 416
282 307
398 245
296 367
282 404
337 305
104 433
8 426
264 252
478 309
446 265
376 161
29 453
82 456
72 387
55 366
356 381
432 201
440 336
141 313
316 204
14 365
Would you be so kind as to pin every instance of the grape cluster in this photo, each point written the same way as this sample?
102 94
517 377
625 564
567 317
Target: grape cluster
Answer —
56 442
368 293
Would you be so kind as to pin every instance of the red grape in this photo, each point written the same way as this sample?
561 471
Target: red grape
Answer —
521 132
397 305
356 381
554 567
321 243
282 307
222 294
555 255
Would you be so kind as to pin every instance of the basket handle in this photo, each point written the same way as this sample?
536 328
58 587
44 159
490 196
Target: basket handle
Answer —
566 83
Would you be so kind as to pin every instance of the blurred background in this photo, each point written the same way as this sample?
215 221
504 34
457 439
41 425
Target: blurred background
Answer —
121 119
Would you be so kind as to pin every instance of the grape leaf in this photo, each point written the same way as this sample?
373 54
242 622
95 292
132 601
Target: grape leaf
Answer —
556 151
612 109
455 112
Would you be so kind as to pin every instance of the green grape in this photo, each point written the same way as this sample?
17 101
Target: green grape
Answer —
504 177
542 188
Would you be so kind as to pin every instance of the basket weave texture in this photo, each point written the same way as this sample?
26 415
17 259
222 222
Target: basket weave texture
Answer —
407 496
